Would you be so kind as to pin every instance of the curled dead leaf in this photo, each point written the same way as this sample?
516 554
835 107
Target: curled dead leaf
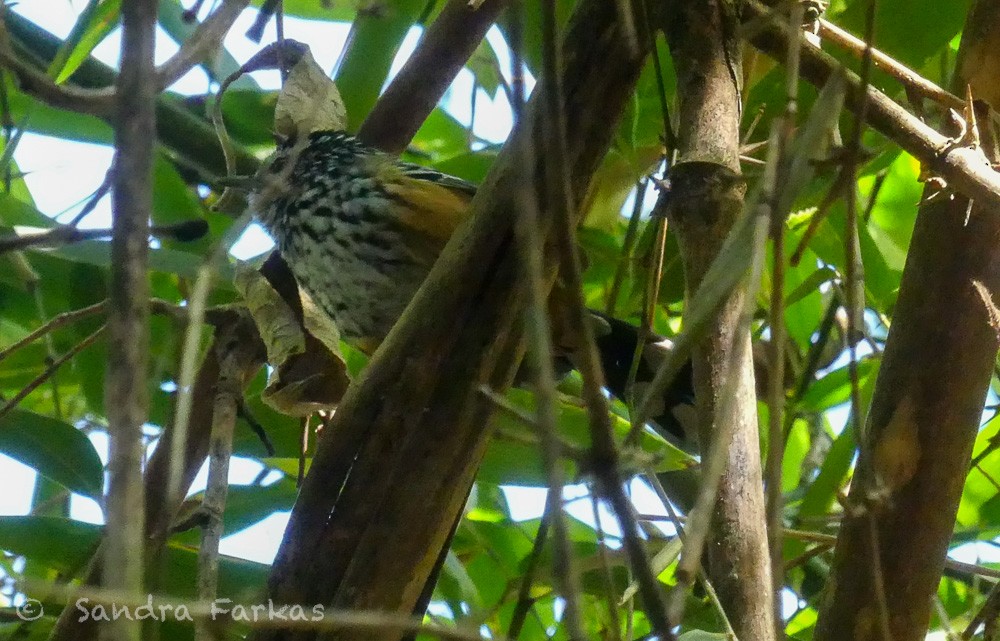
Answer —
309 101
309 372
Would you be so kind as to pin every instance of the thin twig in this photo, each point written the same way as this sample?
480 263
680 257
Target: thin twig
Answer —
854 302
776 381
909 78
677 521
66 318
528 233
989 612
965 169
68 234
215 316
553 504
607 580
631 233
227 397
604 453
102 102
49 371
207 38
99 193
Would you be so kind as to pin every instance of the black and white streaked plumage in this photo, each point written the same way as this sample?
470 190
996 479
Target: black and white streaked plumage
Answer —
360 231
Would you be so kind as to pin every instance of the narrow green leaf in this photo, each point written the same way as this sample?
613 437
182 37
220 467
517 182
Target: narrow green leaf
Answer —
97 20
371 47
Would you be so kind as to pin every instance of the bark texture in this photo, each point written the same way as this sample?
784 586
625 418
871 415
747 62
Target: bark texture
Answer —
705 202
927 405
405 443
125 394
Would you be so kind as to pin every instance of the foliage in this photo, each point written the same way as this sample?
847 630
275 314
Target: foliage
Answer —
492 551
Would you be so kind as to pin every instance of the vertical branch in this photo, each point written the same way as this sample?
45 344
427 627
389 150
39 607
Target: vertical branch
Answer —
538 329
928 399
227 394
604 457
128 349
776 375
701 38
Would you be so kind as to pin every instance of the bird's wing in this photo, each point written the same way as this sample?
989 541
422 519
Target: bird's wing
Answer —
427 202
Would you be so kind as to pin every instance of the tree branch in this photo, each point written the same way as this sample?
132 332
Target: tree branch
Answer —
409 444
411 96
965 169
126 397
927 405
186 134
102 102
704 205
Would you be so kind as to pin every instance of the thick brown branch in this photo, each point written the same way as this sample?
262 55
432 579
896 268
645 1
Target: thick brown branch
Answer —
926 408
704 207
413 93
408 442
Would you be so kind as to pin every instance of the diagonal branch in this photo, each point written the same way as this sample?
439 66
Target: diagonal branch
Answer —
101 102
412 95
927 404
187 135
408 443
965 169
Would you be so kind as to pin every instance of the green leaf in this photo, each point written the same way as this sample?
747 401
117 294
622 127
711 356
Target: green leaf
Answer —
514 456
440 136
98 19
835 388
249 115
247 505
315 10
532 32
371 47
485 66
57 122
471 166
66 545
910 31
62 544
170 261
58 451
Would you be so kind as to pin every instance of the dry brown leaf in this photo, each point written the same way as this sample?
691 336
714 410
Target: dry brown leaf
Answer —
308 102
309 373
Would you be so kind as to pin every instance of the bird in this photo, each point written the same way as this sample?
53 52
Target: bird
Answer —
360 230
